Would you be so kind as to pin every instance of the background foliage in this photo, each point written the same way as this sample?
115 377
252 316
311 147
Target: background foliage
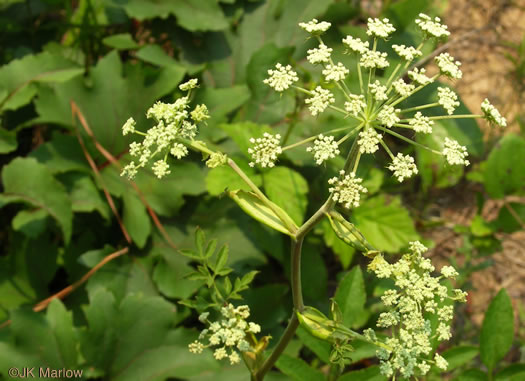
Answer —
71 75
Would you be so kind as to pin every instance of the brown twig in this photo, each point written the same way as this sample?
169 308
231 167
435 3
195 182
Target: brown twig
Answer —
69 289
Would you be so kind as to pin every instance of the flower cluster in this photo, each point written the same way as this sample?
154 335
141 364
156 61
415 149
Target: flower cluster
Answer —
492 114
174 124
265 150
229 335
417 296
324 148
346 189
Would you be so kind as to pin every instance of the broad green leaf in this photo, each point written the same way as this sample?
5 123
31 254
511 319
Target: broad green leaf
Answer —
497 331
269 304
458 356
371 373
504 172
472 375
25 180
193 15
17 77
241 133
288 189
403 13
254 207
297 369
136 219
314 269
8 142
122 41
155 55
385 223
351 297
30 222
514 372
61 154
225 178
85 196
509 217
320 347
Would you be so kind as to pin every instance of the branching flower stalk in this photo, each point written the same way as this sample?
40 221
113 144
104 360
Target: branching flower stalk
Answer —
378 110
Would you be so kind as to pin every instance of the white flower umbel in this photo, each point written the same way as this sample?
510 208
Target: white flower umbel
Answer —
179 150
455 153
448 66
418 76
200 113
374 59
408 53
346 189
402 88
432 28
320 54
492 114
403 167
387 116
379 91
281 78
324 148
320 100
189 85
315 27
228 334
161 169
416 296
129 126
335 72
369 140
448 99
380 28
355 105
265 150
421 123
356 44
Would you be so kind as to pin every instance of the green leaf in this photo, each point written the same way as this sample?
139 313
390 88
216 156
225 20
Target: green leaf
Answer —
504 172
61 154
510 221
30 222
288 189
514 372
371 373
242 132
314 269
385 223
155 55
136 219
320 347
122 41
254 207
222 258
458 356
351 297
193 15
472 375
339 247
85 196
497 330
298 369
221 178
25 180
8 142
348 233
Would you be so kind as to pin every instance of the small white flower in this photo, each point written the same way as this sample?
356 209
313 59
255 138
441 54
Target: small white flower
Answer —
448 99
418 76
179 150
220 353
417 247
402 88
265 150
449 272
281 78
408 53
196 347
355 105
380 28
355 44
319 55
254 328
448 67
161 169
324 148
369 140
387 115
403 167
128 127
130 170
200 113
187 130
421 123
346 189
378 90
234 358
492 114
135 149
191 84
455 153
320 100
315 27
441 363
335 72
432 28
374 59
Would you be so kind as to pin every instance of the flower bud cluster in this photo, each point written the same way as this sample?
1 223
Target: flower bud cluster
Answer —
417 296
346 189
324 148
229 335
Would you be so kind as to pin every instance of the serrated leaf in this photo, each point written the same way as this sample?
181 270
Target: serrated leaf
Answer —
155 55
504 172
288 189
297 369
25 180
497 330
61 154
254 207
351 297
122 41
136 219
200 241
210 249
222 258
